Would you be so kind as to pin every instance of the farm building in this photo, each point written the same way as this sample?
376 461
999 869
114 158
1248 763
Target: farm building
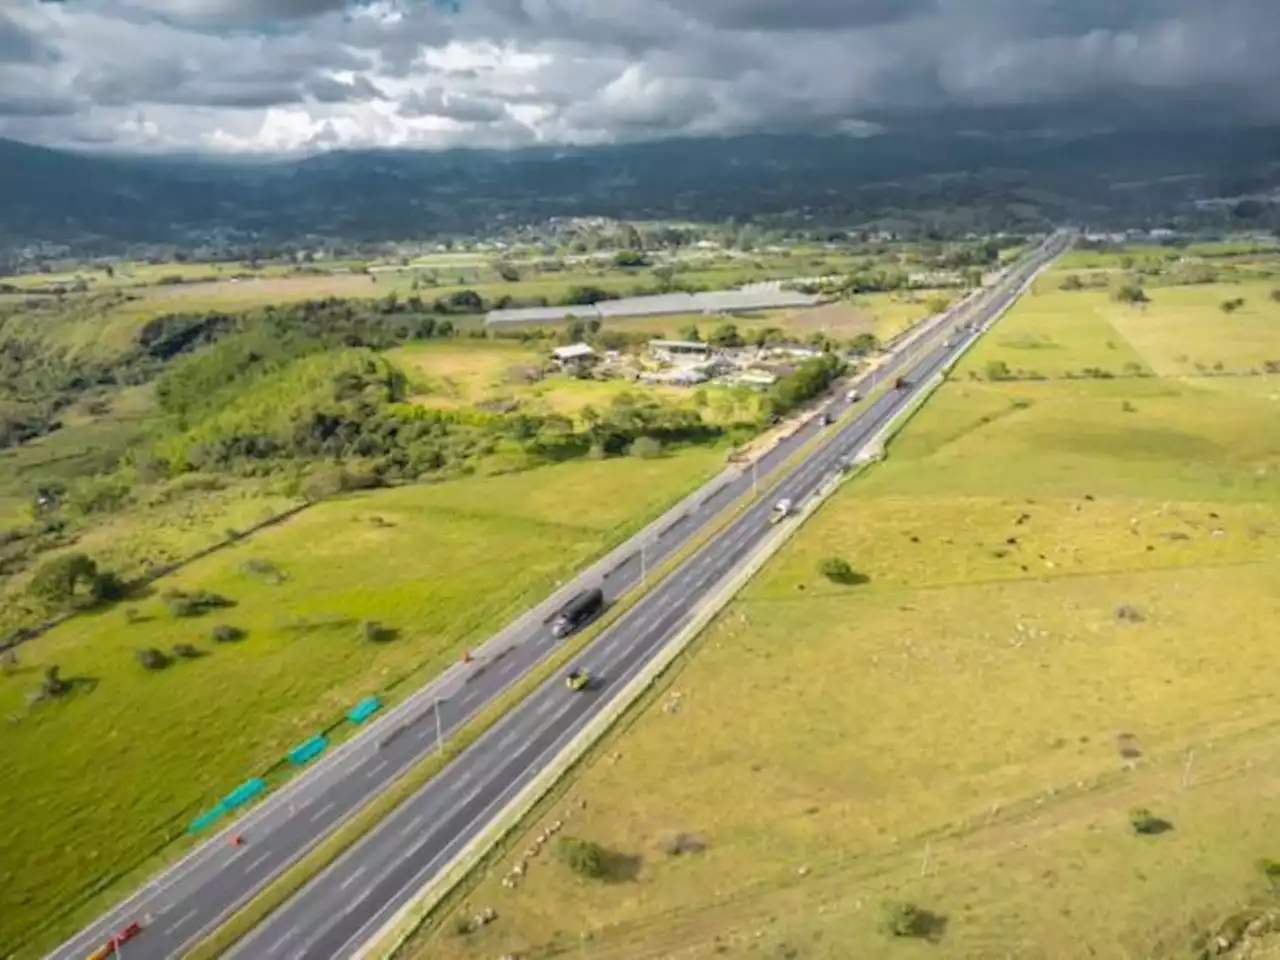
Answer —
574 355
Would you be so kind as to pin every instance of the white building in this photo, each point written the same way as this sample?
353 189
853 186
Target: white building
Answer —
574 355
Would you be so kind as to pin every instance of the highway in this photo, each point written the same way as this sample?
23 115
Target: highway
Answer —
341 908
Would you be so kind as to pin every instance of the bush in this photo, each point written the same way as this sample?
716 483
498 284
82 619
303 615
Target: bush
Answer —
583 857
377 632
998 370
908 920
646 448
1130 292
1147 824
1270 870
223 633
53 685
186 651
182 604
838 570
152 659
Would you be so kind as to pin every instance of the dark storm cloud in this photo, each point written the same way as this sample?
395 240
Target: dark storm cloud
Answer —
19 44
331 72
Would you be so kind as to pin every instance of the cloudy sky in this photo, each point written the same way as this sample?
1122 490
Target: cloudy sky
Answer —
287 75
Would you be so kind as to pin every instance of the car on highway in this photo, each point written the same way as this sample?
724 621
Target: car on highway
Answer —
781 510
112 947
853 396
901 383
827 418
577 611
578 680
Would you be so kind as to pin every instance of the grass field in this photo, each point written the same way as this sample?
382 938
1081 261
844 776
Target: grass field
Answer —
1067 612
472 373
92 781
1182 332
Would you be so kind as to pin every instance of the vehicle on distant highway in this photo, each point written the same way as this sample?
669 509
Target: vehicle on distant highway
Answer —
827 418
901 383
577 612
578 680
781 510
112 947
853 396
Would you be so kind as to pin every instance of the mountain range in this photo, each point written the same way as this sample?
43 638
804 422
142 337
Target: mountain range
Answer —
945 182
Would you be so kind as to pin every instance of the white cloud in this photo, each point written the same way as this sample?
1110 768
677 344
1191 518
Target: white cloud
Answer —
282 75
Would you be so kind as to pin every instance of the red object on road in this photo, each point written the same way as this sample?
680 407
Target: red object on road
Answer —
237 841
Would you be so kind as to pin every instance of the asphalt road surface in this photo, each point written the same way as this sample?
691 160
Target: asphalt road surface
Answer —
346 904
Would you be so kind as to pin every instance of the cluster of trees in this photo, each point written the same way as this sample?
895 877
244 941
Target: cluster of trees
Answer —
808 380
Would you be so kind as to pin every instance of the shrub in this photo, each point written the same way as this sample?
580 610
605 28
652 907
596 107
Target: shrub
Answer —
1147 824
908 920
53 685
838 570
377 632
583 857
1270 870
182 604
646 448
1131 292
1275 294
223 633
186 651
152 659
998 370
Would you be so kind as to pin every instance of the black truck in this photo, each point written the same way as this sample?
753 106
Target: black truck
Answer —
577 612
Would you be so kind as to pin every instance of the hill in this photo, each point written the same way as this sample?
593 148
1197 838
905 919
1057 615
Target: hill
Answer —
922 180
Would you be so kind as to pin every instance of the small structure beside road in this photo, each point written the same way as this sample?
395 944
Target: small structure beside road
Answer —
576 355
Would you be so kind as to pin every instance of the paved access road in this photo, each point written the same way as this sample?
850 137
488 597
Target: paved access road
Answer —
332 916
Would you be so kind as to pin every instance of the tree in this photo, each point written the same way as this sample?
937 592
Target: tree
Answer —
838 570
56 581
1232 305
1275 294
152 659
726 335
584 857
506 271
1131 292
630 258
998 370
690 333
53 685
1071 282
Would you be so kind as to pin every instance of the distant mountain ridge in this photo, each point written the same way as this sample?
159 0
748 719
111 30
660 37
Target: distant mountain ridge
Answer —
101 202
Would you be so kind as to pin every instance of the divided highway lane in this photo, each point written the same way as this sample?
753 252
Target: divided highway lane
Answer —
334 915
190 900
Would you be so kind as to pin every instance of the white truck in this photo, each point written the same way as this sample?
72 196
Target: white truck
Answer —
781 510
